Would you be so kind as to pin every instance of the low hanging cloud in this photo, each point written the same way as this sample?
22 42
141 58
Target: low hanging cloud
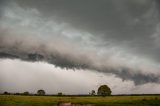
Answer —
27 35
65 55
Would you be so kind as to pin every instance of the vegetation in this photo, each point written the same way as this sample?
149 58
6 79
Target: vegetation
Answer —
26 93
104 90
6 93
93 92
19 100
41 92
60 94
40 99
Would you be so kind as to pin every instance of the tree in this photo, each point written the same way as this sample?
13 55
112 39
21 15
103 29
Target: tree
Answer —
104 90
40 92
26 93
93 92
60 93
6 93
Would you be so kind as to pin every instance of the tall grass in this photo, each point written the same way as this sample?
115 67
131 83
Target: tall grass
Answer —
18 100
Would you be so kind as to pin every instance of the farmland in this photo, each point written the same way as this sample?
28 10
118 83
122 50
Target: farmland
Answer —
18 100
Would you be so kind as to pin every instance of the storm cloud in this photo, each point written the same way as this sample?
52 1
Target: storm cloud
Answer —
117 37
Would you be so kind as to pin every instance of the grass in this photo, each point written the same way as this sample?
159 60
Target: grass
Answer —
17 100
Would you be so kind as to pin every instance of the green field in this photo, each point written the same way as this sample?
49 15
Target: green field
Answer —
15 100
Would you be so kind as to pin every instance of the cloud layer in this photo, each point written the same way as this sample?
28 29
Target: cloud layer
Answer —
121 38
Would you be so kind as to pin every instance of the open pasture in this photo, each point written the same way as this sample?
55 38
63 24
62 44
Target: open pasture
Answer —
18 100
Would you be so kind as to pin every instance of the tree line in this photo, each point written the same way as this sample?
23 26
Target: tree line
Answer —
40 92
103 90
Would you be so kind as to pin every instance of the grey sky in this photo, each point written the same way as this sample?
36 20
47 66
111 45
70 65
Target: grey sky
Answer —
118 38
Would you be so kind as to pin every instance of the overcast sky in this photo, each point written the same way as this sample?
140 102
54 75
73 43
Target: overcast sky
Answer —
74 46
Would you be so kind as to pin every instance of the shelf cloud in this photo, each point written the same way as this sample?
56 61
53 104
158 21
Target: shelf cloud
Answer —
117 37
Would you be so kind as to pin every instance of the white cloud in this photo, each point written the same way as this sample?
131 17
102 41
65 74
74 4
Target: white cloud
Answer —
19 76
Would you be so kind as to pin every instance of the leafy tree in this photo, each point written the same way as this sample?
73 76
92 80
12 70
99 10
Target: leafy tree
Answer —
104 90
60 94
26 93
6 93
41 92
93 92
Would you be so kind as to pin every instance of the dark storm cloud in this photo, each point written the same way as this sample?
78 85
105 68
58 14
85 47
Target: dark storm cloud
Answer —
17 47
139 78
38 51
2 3
127 24
96 15
107 16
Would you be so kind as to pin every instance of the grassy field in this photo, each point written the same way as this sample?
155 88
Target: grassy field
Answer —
15 100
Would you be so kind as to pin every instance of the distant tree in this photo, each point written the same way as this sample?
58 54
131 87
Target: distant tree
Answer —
26 93
104 90
93 92
40 92
6 93
60 94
